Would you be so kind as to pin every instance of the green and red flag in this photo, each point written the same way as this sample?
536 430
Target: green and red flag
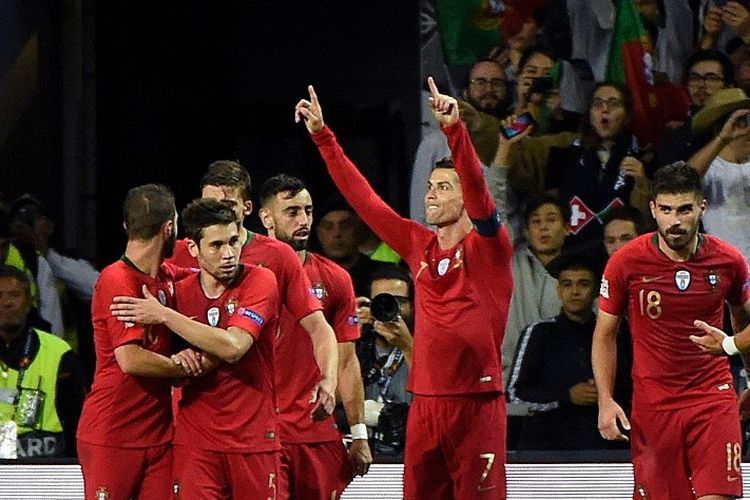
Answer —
630 63
469 29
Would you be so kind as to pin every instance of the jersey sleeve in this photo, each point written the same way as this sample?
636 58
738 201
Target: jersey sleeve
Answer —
399 233
344 319
258 303
477 198
739 292
112 284
613 288
296 290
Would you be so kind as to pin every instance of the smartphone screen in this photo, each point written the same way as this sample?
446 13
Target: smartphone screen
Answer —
522 123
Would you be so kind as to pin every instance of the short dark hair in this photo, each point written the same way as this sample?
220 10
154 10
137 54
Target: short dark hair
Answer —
205 212
535 49
389 271
630 214
677 178
727 68
280 183
446 162
574 262
545 199
228 173
146 209
7 271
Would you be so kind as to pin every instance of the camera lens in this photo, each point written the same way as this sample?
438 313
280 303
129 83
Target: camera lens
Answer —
384 307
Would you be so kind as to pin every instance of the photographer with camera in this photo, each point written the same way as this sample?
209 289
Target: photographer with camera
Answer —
384 351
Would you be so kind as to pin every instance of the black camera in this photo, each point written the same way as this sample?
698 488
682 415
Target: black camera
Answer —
384 307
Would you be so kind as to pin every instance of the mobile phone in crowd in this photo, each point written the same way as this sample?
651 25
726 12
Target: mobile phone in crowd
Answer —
521 123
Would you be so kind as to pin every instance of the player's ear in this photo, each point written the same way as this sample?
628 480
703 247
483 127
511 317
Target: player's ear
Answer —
247 207
652 207
265 218
192 247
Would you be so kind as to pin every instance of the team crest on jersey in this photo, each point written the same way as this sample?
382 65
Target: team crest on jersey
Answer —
102 493
319 290
231 305
682 279
443 266
712 278
162 297
213 316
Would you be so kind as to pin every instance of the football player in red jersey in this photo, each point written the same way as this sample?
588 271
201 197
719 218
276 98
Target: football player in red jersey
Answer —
228 181
455 445
125 430
314 462
684 406
226 444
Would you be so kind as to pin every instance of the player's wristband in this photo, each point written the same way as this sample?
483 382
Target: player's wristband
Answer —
729 345
359 431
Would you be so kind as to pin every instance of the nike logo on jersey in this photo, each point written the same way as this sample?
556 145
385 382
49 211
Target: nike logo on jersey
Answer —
488 488
732 479
649 279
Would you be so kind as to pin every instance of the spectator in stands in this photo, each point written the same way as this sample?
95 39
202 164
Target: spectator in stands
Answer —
622 225
340 233
740 58
535 67
75 277
42 380
726 25
78 275
724 164
601 170
17 250
535 295
706 72
552 369
385 353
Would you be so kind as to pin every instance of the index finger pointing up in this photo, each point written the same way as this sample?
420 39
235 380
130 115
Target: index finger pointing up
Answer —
313 95
433 88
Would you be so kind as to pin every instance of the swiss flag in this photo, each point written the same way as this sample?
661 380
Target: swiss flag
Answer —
580 214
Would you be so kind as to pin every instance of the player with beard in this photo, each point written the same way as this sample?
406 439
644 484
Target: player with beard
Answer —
684 406
314 462
228 181
226 444
462 277
125 430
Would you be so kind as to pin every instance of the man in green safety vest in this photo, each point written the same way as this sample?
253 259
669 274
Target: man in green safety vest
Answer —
41 380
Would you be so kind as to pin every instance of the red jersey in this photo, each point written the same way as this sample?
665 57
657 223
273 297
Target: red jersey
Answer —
233 408
462 293
260 250
124 410
662 299
296 372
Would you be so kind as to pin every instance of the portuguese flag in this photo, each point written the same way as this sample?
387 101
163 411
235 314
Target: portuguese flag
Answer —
630 63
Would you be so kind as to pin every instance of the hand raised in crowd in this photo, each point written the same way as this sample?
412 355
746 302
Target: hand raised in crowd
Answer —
583 393
145 311
323 400
735 127
310 112
632 167
713 23
360 456
610 413
444 107
502 156
710 343
737 17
